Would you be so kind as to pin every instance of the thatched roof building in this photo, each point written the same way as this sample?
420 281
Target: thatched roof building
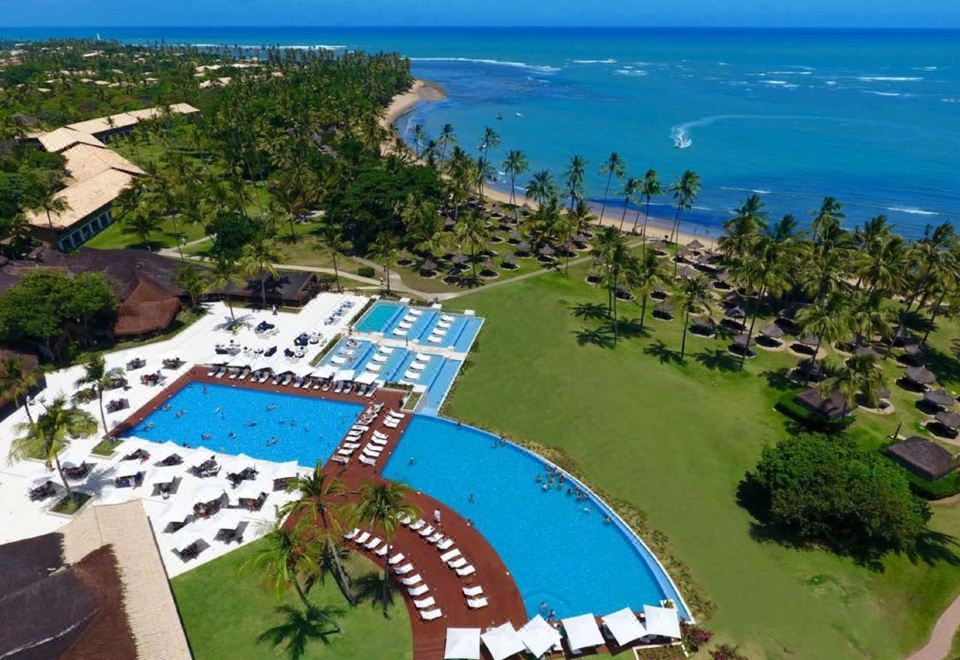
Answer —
923 457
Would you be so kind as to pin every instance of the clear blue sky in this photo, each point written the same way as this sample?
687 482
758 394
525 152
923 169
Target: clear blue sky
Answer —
791 13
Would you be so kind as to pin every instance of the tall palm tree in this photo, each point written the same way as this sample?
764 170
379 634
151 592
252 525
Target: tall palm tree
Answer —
286 556
419 138
694 296
47 200
541 187
827 319
380 506
613 167
226 272
47 436
573 179
564 230
321 499
96 374
629 193
259 257
447 138
650 187
685 191
471 231
602 248
515 165
333 239
649 275
489 140
384 251
16 381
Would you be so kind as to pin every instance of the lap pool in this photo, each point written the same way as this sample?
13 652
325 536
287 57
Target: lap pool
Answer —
235 420
558 548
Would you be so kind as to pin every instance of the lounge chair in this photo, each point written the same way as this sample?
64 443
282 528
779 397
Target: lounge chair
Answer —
351 445
406 520
370 391
403 570
426 531
380 435
391 424
473 592
366 460
459 562
435 538
352 534
410 581
424 603
363 538
466 570
382 550
430 615
418 591
447 556
444 544
373 543
367 451
396 559
417 525
378 442
342 460
346 452
476 603
396 414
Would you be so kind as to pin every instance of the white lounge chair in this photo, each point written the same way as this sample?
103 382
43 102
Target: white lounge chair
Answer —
403 570
473 592
378 442
352 533
426 531
366 460
466 570
363 538
397 415
424 603
373 543
476 603
418 591
447 556
412 580
380 435
444 544
459 562
406 520
382 550
351 445
430 615
346 451
396 559
435 538
367 451
417 525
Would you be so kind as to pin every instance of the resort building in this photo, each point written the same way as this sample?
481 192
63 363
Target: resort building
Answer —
923 458
96 175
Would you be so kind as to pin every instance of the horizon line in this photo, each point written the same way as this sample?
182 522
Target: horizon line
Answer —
789 28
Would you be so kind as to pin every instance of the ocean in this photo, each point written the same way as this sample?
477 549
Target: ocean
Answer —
871 117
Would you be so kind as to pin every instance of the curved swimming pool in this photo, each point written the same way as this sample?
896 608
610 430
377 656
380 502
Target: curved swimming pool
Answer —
571 552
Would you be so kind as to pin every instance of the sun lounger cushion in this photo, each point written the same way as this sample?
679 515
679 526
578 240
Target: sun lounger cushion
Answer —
472 591
403 570
466 570
444 544
418 591
447 556
363 538
417 525
476 603
396 559
413 579
424 603
430 615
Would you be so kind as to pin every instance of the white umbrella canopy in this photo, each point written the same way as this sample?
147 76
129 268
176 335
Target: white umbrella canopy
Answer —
165 474
345 375
582 632
251 490
624 626
462 644
178 512
539 636
324 371
662 621
366 378
199 456
502 641
206 494
187 536
73 456
229 519
288 470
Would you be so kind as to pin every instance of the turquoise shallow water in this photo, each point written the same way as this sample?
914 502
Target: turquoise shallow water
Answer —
871 117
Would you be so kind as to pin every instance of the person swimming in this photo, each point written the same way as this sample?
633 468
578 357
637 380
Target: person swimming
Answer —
471 498
148 426
205 436
167 408
249 423
232 435
271 407
607 520
272 441
411 461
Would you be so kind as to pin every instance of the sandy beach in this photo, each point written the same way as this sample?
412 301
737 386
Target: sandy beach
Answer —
426 92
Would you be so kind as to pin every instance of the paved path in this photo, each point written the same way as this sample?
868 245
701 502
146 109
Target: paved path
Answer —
941 639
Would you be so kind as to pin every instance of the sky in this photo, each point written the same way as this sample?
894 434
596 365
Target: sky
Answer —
741 13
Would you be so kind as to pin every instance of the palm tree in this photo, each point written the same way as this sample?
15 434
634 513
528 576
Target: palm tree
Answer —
16 381
285 556
604 244
226 272
685 191
384 251
573 179
333 239
614 167
827 319
419 137
193 281
515 165
564 230
629 193
380 506
694 297
47 200
650 187
447 137
489 140
649 275
471 231
868 376
96 374
47 436
541 187
259 257
319 494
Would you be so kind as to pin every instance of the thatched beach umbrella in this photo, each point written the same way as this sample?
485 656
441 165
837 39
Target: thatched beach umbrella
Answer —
939 398
510 259
547 251
772 331
736 312
459 259
949 419
428 266
695 245
523 246
867 351
743 339
920 375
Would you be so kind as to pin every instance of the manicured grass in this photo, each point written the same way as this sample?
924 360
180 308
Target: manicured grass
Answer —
118 235
225 610
70 505
675 439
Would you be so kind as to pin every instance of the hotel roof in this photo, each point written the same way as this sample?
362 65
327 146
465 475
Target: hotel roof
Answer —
65 137
83 199
126 119
85 162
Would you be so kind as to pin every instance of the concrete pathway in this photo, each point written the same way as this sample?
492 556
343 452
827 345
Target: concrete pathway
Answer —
941 639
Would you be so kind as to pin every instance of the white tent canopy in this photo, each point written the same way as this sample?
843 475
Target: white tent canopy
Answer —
462 644
582 632
539 636
251 490
324 371
345 375
206 494
229 519
165 474
73 456
288 470
502 641
624 626
199 456
237 464
366 378
177 512
663 621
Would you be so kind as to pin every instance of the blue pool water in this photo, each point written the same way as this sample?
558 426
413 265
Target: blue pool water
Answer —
558 549
379 316
385 317
307 429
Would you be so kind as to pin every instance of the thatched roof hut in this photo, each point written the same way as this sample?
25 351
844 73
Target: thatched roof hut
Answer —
923 457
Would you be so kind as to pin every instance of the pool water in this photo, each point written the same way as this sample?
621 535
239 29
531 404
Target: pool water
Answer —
379 316
385 317
306 429
558 548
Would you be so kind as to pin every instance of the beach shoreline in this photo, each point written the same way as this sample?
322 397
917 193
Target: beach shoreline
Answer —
422 91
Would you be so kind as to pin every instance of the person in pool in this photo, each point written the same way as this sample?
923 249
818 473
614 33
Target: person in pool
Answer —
167 408
232 435
249 423
271 407
272 441
205 436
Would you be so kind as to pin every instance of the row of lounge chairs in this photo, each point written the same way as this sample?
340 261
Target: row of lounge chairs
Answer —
354 439
336 314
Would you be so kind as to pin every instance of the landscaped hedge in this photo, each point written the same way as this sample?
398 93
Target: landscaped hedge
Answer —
366 271
934 490
800 413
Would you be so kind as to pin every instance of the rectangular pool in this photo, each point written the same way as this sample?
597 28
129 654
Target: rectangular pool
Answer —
271 426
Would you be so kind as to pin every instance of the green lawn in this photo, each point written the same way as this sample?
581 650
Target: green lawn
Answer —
224 611
118 235
674 440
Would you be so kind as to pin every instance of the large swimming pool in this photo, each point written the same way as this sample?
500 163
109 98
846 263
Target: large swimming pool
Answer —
558 548
265 425
430 327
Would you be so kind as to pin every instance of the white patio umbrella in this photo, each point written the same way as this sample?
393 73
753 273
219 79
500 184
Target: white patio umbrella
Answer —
186 536
164 474
662 621
237 464
582 632
288 470
539 636
178 512
324 371
250 490
462 644
366 378
624 626
166 449
199 456
502 641
206 494
229 519
345 375
74 456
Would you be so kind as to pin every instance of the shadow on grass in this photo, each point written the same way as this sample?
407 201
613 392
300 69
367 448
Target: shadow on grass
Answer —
600 337
592 311
779 379
718 360
664 354
301 626
369 588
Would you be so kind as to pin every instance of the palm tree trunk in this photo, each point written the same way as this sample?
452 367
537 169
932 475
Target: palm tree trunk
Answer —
299 589
26 409
386 583
233 317
753 321
263 290
933 317
63 479
103 415
683 342
336 272
643 309
606 191
675 232
626 202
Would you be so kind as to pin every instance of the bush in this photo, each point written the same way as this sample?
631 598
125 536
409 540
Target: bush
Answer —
826 489
366 271
933 490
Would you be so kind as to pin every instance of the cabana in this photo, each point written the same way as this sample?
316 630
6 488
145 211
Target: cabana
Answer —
833 408
582 632
940 398
502 641
773 332
662 621
345 376
924 458
539 636
284 473
624 626
920 376
163 478
462 644
949 420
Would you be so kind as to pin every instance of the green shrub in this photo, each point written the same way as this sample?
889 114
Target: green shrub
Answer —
806 417
934 490
366 271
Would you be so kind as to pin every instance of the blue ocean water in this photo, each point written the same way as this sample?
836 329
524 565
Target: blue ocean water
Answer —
557 548
871 117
